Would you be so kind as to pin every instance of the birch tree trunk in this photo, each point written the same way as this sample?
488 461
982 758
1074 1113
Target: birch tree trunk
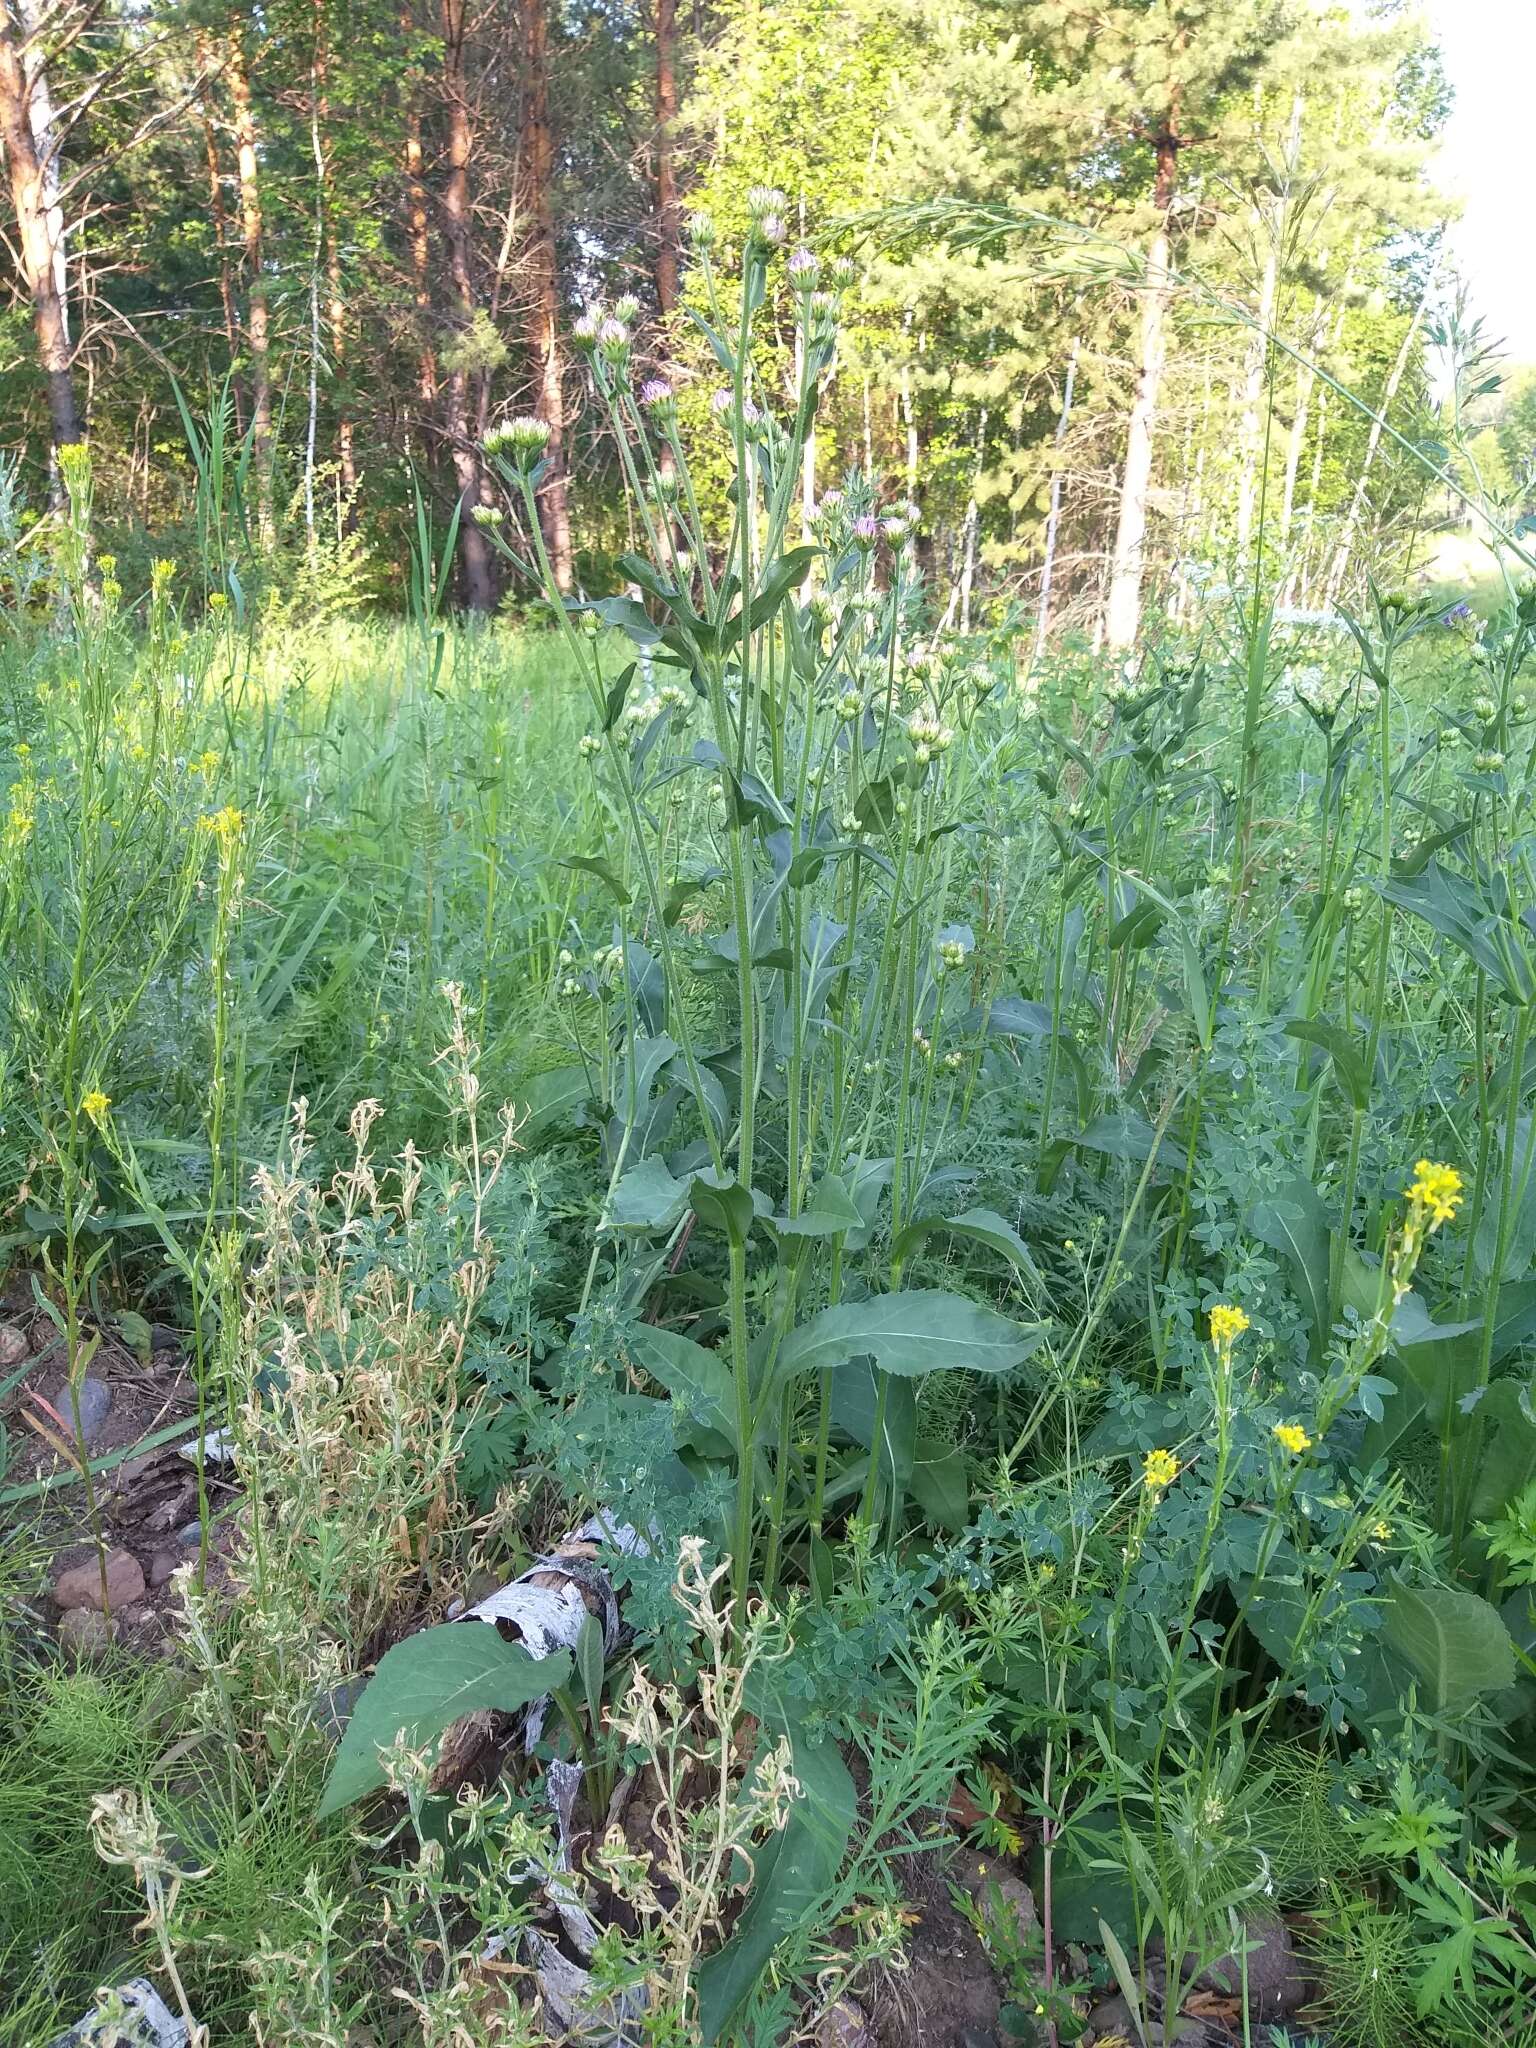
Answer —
37 247
1122 609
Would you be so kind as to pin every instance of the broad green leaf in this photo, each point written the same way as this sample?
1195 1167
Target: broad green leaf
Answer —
1293 1222
940 1485
1018 1017
1121 1134
1521 1245
699 1380
1455 1642
790 1873
829 1211
920 1330
723 1205
647 1197
855 1404
1441 1359
422 1686
629 617
549 1097
613 702
1504 1442
1454 906
981 1226
647 1058
590 864
1348 1060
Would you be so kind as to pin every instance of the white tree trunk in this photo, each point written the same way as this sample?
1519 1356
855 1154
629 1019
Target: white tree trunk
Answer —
1122 610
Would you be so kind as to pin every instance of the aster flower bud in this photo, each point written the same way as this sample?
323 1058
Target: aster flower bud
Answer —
626 309
803 269
520 441
844 272
701 231
586 330
866 530
765 199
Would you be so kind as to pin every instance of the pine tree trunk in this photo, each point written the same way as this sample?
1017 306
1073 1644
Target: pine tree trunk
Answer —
258 340
218 212
669 227
474 551
545 360
419 220
1122 610
335 302
37 252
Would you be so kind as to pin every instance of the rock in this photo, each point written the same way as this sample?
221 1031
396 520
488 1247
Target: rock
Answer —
1007 1898
163 1338
95 1399
13 1346
190 1534
1111 2020
133 2016
1277 1983
844 2025
333 1709
85 1634
163 1564
81 1585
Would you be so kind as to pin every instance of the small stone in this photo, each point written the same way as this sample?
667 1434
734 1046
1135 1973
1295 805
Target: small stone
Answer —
190 1534
95 1401
13 1346
1276 1982
84 1634
163 1338
162 1565
1008 1899
81 1585
843 2025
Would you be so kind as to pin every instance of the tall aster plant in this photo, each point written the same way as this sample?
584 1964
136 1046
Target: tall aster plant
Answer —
834 745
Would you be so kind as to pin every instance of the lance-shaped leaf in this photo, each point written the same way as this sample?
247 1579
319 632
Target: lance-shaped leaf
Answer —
423 1686
918 1330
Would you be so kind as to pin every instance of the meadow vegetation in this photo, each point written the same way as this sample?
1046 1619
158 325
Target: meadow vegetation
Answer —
848 1286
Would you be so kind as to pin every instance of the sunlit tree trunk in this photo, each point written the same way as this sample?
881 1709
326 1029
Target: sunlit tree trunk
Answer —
669 233
217 210
257 326
34 202
1122 610
545 357
474 552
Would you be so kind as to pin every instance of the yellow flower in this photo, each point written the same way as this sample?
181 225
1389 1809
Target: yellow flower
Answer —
206 763
1436 1189
225 825
217 600
1382 1531
1159 1469
95 1104
1293 1437
1227 1325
